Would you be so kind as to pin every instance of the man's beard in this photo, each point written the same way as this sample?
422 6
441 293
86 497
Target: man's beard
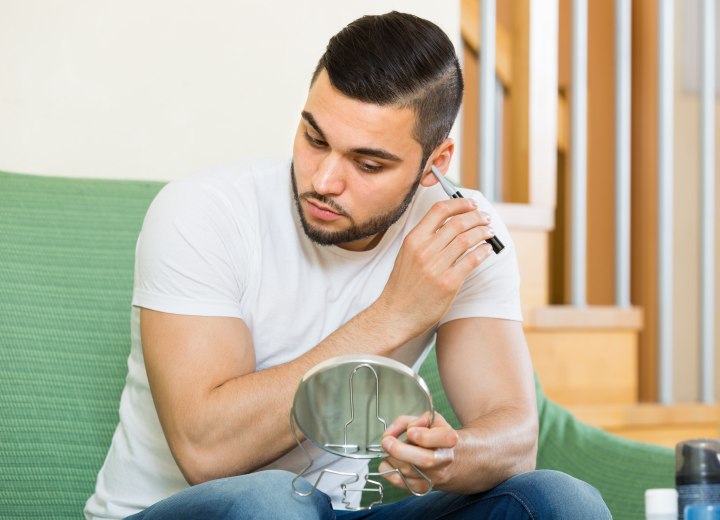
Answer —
377 224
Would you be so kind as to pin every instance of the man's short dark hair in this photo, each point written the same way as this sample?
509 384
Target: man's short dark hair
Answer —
399 60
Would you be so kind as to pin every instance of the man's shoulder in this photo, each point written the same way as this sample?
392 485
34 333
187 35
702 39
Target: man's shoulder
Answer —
240 174
228 184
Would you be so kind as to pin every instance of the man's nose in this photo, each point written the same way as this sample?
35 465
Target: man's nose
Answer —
329 178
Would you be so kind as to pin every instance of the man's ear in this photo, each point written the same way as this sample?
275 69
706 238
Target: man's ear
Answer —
440 158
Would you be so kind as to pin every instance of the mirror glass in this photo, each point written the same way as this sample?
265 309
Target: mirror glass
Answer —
344 404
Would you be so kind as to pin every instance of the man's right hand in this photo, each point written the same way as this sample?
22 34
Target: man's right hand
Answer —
435 259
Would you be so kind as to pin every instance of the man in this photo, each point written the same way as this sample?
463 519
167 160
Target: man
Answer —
249 276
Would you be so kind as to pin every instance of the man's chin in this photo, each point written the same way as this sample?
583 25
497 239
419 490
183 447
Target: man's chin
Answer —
325 237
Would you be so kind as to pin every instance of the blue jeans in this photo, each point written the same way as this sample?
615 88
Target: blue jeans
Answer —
268 495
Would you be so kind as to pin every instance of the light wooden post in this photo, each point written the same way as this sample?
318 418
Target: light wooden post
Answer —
534 102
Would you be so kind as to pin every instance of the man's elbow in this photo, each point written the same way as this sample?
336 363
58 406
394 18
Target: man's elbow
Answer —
202 461
195 463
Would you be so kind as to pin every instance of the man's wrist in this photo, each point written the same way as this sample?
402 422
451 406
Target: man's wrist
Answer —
398 328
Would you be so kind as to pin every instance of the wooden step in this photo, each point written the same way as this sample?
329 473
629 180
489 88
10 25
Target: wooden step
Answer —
654 423
530 226
568 317
585 356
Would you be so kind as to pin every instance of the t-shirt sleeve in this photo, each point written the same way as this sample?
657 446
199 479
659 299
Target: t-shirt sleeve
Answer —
188 258
493 289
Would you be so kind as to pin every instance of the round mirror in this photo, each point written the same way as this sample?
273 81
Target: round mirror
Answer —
344 404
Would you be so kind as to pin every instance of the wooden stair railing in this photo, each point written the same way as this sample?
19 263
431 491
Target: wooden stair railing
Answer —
587 358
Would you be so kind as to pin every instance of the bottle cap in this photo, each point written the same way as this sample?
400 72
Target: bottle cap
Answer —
661 501
697 461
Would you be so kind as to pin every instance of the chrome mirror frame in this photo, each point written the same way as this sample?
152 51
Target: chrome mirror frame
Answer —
344 404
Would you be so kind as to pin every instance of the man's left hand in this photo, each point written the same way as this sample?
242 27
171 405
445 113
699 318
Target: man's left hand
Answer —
430 448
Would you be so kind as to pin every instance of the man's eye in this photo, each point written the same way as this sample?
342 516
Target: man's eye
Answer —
315 142
370 168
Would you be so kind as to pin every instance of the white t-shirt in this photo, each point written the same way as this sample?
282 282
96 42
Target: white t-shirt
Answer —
229 243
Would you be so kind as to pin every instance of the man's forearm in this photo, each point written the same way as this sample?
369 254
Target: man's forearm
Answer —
492 449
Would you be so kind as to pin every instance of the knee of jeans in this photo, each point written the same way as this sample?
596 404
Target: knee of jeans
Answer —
557 495
297 488
274 478
282 484
276 489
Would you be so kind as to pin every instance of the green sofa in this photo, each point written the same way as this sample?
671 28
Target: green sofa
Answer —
66 272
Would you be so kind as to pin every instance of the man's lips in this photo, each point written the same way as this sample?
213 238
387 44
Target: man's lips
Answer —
321 211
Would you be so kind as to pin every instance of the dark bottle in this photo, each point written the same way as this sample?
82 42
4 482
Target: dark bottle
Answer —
697 473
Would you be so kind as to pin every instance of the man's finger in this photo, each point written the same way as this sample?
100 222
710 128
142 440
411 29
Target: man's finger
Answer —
410 477
440 437
440 212
409 453
399 425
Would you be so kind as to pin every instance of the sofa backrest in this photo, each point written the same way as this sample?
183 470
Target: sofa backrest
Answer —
66 271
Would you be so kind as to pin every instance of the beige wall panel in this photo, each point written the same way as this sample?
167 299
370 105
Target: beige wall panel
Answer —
590 367
654 423
667 436
532 251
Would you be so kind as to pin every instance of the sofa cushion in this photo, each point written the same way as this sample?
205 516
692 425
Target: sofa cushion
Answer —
66 271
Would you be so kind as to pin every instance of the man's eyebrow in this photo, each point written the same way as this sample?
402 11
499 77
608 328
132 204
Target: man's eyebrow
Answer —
307 116
375 152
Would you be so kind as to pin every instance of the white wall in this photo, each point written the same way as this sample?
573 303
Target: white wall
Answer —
163 88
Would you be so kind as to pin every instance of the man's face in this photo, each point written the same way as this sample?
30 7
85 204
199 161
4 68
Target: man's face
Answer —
356 167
